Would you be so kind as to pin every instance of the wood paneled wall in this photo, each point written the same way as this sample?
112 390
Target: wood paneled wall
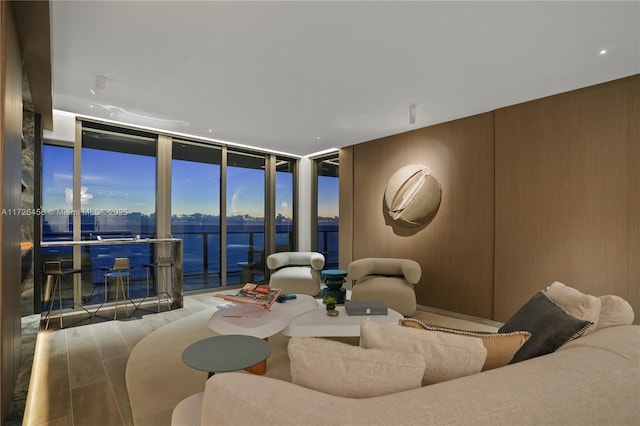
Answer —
533 193
10 170
633 280
455 250
563 202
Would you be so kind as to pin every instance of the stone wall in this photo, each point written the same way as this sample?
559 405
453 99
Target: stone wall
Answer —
28 150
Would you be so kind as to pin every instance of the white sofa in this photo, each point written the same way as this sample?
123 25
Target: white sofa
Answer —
593 380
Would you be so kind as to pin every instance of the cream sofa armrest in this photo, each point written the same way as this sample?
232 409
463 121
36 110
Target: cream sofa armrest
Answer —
411 271
360 268
277 260
316 260
246 399
187 412
295 258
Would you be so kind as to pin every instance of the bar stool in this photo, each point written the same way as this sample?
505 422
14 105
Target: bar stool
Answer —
54 272
163 273
119 271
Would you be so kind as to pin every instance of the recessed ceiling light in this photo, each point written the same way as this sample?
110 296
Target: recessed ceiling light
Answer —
318 138
603 52
210 130
92 91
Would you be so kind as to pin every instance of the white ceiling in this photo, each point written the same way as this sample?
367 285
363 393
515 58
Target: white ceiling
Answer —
301 77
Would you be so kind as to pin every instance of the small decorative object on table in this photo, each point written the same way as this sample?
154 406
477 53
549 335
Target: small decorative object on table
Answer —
330 302
284 297
333 279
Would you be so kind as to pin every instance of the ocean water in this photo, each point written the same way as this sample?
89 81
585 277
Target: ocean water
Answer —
201 249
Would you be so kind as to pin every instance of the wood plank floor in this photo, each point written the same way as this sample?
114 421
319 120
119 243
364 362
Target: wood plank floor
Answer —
78 375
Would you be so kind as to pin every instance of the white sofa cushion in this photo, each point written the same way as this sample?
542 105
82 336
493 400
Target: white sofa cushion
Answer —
351 371
447 356
614 311
577 304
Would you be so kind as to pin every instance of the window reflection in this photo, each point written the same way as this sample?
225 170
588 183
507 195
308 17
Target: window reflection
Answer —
245 218
284 205
57 178
328 208
195 212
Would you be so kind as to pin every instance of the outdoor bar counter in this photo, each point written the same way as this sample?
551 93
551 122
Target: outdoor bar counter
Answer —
166 246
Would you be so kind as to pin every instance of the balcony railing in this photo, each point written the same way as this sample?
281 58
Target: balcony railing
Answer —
201 254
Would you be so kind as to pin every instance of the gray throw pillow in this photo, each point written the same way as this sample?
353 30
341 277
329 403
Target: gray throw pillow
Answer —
549 324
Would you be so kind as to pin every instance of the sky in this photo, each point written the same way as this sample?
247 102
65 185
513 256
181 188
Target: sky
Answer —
328 194
112 180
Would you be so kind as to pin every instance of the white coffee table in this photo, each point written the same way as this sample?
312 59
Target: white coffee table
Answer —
236 319
316 323
300 317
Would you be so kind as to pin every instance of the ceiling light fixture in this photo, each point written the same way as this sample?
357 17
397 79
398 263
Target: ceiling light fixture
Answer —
603 52
412 114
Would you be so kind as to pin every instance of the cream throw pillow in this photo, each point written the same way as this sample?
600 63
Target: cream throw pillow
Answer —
614 311
577 304
351 371
447 356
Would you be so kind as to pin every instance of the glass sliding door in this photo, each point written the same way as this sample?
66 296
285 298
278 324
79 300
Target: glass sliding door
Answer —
327 172
57 182
117 198
245 218
195 211
57 216
284 234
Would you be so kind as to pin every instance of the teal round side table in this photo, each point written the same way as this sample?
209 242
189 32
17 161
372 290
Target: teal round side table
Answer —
220 354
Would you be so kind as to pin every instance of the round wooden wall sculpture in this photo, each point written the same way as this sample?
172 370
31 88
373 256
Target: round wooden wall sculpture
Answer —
412 195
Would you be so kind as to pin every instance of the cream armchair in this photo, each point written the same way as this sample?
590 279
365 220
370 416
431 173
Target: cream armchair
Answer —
296 272
387 279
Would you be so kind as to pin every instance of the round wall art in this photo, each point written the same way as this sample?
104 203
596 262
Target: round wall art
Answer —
412 195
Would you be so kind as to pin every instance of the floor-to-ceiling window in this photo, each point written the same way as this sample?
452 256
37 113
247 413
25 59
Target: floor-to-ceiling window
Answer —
57 183
57 187
219 199
195 211
245 217
116 193
327 206
284 207
118 196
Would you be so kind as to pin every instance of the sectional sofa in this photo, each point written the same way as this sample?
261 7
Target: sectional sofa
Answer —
593 380
565 358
